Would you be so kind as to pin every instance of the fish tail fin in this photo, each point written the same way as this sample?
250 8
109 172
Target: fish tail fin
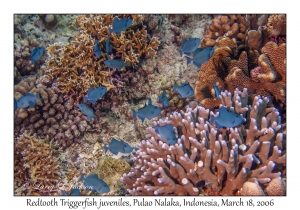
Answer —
81 178
180 52
106 148
134 113
174 87
212 119
188 60
85 99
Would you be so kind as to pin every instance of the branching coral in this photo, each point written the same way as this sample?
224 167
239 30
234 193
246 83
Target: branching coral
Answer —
22 57
77 68
54 115
226 159
37 170
262 73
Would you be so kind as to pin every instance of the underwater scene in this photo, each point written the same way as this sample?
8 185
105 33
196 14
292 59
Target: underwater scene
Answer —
150 104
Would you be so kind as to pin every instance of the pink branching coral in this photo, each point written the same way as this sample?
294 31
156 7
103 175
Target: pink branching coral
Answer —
230 161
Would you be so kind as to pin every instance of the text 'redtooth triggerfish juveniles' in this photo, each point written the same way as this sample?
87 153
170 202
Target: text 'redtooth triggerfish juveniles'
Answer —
94 94
201 56
92 182
163 99
116 146
184 90
28 99
115 63
36 54
217 91
97 49
120 25
87 111
148 111
226 118
108 46
189 45
166 132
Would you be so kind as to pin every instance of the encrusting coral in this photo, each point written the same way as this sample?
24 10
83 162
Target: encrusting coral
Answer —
245 160
77 68
37 170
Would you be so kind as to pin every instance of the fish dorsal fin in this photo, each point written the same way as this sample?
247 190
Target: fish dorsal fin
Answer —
28 94
92 176
197 51
113 141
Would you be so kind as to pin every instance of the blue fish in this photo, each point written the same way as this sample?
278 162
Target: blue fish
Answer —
15 104
94 94
97 49
120 25
36 54
163 99
116 146
166 132
28 99
201 56
189 45
226 118
184 90
74 192
217 91
108 46
95 184
148 111
87 111
115 63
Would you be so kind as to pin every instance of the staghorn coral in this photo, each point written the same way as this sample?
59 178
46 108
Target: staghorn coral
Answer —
226 159
76 67
37 170
263 73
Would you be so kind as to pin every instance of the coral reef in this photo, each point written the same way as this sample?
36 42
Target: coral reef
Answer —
247 160
22 59
77 68
37 170
110 171
263 73
244 28
54 114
